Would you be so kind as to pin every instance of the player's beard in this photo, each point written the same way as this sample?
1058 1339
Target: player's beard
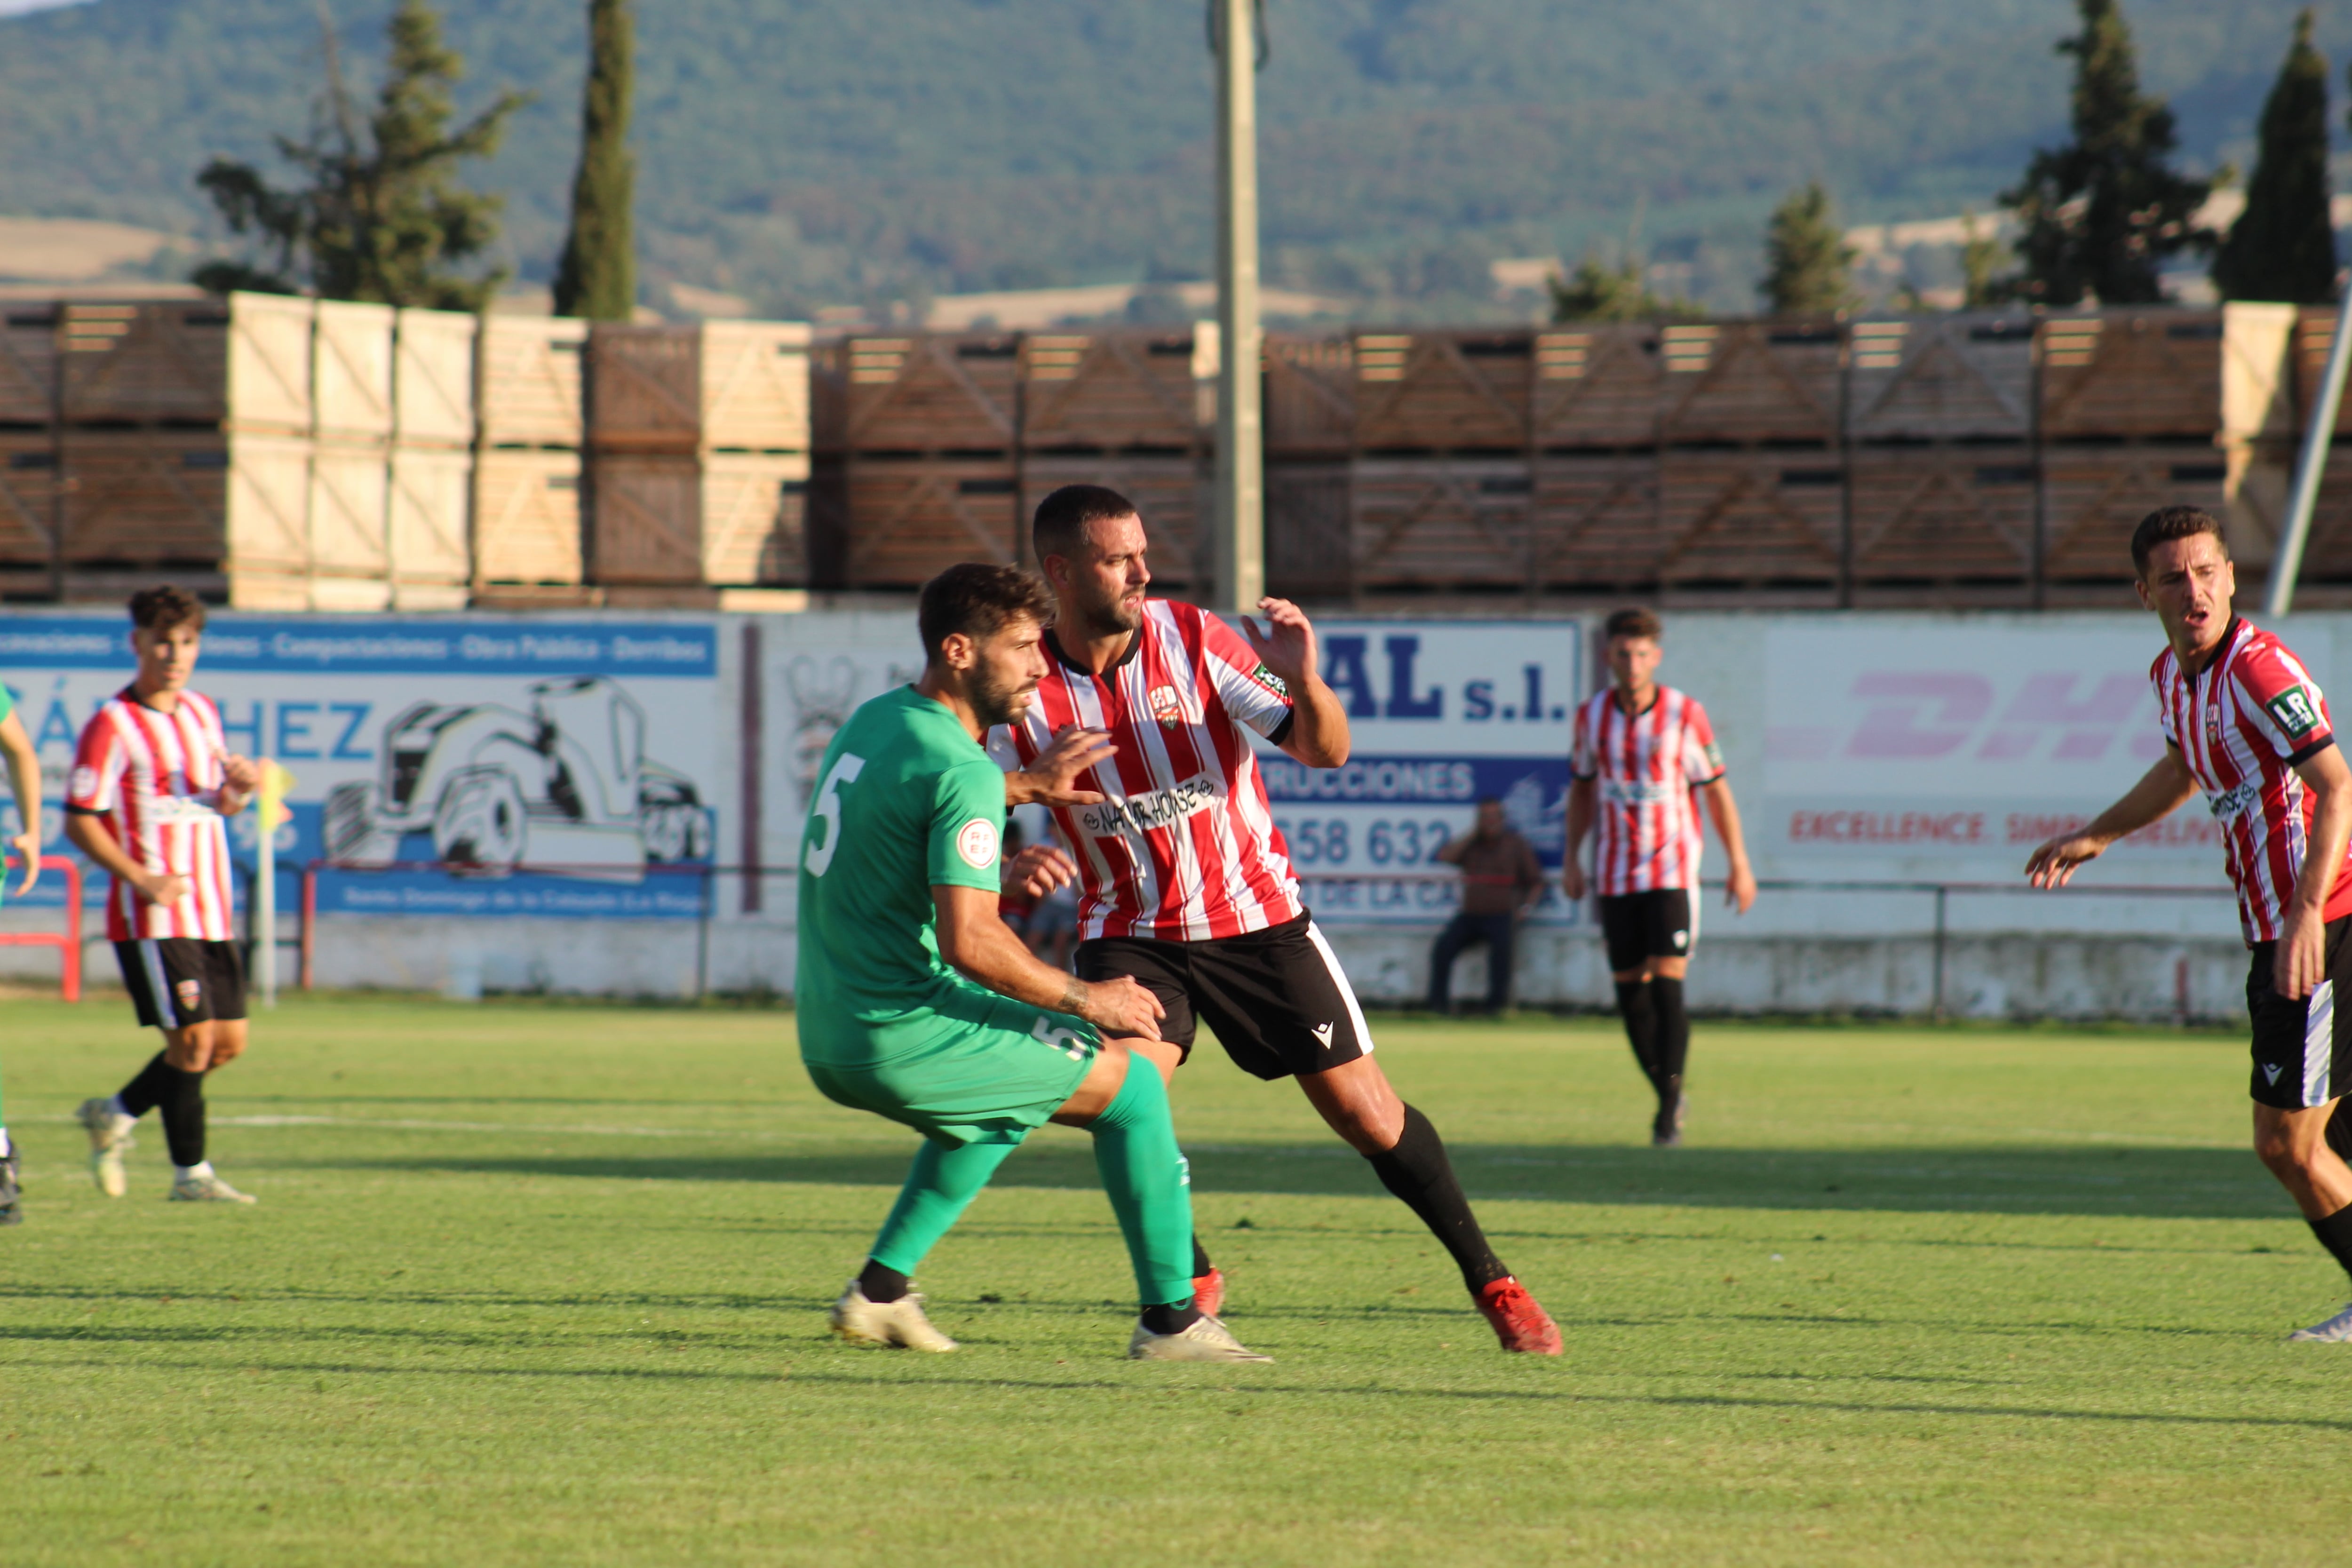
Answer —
998 699
1108 615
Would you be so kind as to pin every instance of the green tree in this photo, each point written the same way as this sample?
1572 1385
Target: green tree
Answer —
1599 292
597 276
1806 259
2283 246
379 214
1981 256
2100 214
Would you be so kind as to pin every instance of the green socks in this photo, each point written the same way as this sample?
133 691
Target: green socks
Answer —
1150 1190
1149 1184
939 1189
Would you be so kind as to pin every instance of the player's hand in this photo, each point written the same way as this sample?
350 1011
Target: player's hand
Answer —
242 775
1122 1007
162 888
1287 647
2054 863
27 846
1037 871
2301 961
1052 778
1739 889
1571 882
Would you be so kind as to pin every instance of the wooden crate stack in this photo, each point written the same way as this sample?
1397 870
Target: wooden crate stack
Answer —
1442 487
1309 411
430 493
1596 396
1119 408
529 424
929 442
698 469
28 452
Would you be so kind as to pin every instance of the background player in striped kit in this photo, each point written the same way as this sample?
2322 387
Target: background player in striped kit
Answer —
152 785
1189 888
2245 722
1641 750
24 778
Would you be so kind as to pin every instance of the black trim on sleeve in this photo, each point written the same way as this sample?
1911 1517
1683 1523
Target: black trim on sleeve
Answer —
1282 730
1702 783
2313 750
86 811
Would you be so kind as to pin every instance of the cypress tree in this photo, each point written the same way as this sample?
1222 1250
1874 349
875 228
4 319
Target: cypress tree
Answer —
1806 257
597 276
2283 246
2101 213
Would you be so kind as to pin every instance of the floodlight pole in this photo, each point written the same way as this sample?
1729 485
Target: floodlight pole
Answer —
2286 561
1241 437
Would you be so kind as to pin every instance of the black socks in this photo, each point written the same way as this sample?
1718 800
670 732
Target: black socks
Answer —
1420 1174
1170 1320
1674 1031
2335 1233
881 1285
182 1097
1200 1264
1635 1006
1658 1026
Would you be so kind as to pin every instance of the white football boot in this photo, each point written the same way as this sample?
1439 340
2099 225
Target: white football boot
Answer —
1207 1340
2337 1331
110 1135
206 1188
900 1323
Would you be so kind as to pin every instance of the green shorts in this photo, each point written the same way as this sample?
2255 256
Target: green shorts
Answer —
991 1078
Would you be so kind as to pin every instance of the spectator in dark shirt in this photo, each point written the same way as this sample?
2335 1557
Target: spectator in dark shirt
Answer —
1500 883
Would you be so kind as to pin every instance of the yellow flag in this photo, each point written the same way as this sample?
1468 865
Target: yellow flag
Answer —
276 781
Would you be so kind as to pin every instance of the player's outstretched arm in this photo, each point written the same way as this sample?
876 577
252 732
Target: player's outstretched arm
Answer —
1318 720
1739 890
1581 795
974 939
2300 958
2161 790
1052 778
25 776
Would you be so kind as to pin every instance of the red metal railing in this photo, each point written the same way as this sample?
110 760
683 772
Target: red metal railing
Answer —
68 942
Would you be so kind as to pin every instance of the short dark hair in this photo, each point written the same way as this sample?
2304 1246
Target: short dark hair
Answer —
2167 523
1060 525
977 600
1632 623
165 606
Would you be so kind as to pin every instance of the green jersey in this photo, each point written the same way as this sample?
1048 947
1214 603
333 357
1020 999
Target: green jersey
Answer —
906 800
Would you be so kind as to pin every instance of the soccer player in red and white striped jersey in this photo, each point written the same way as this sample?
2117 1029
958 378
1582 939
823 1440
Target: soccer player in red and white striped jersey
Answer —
1188 884
1640 752
2245 722
153 782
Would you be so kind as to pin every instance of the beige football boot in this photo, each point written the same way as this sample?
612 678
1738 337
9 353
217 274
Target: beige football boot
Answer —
1207 1340
898 1323
110 1135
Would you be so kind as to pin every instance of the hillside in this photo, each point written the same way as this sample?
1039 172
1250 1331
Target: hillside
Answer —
808 153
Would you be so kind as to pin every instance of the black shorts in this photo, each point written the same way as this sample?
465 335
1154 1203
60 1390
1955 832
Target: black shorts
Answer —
1639 927
176 981
2302 1050
1278 999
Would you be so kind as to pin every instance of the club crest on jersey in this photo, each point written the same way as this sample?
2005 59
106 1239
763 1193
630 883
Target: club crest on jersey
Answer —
1166 706
187 991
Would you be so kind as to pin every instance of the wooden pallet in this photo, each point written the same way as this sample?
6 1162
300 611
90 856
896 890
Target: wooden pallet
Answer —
1959 377
911 518
1170 494
1108 392
755 520
349 512
1310 529
1747 382
2094 496
1596 523
28 488
433 378
726 385
351 372
1443 392
1754 520
28 364
132 364
1309 399
1426 524
944 394
1598 386
427 524
2158 372
528 391
694 519
527 518
1953 516
269 370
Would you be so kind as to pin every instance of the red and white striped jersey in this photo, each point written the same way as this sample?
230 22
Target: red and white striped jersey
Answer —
1646 835
2241 726
1184 848
153 782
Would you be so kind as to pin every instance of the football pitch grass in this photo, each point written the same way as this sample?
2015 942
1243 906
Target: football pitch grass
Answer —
534 1283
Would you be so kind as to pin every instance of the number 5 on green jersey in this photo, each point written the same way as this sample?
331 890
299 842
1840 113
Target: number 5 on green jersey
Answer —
827 810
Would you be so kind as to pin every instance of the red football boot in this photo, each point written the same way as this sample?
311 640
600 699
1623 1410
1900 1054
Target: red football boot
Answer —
1209 1291
1519 1321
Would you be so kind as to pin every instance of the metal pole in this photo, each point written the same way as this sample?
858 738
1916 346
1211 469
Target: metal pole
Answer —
1941 894
2286 562
1241 477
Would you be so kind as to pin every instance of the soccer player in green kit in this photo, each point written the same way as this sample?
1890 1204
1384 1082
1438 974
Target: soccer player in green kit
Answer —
25 777
918 1003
